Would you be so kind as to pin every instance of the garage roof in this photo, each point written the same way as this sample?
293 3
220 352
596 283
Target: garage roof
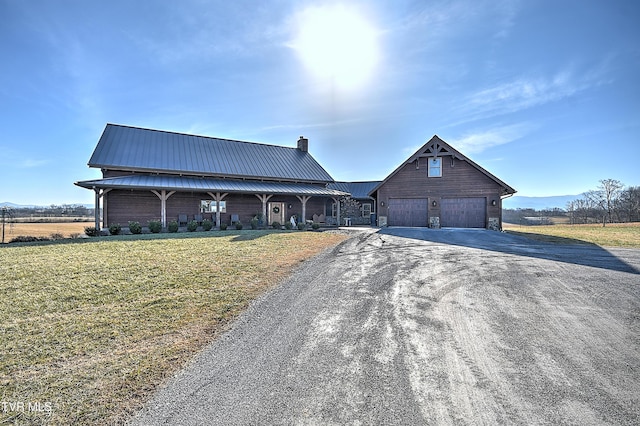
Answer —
436 147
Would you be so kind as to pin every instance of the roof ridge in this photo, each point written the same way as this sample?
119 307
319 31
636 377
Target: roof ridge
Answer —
199 136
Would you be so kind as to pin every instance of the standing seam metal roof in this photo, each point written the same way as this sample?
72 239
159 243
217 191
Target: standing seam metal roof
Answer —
133 148
190 183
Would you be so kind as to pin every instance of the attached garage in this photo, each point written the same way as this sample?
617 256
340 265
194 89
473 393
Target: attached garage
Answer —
463 213
407 212
440 187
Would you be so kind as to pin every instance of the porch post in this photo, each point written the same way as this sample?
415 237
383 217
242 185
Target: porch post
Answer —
337 201
264 198
217 197
163 195
303 199
97 209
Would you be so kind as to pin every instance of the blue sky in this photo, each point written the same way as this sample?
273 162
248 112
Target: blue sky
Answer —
543 94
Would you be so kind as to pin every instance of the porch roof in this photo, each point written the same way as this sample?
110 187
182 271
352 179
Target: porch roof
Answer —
195 184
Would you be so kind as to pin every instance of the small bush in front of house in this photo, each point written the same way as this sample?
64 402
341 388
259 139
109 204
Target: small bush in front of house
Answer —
192 226
28 239
92 231
207 225
173 226
276 225
254 223
223 226
315 226
115 229
288 225
238 225
155 226
135 227
302 226
56 236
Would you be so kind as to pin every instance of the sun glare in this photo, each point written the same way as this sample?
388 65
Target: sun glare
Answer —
336 43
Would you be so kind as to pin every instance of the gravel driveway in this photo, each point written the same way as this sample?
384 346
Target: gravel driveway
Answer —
413 326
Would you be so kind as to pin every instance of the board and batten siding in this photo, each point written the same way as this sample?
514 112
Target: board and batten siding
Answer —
142 206
459 180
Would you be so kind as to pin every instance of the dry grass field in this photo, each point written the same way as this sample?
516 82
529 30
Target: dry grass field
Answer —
612 235
44 229
89 328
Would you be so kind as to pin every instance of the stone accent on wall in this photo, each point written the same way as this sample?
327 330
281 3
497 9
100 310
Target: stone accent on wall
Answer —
434 222
494 223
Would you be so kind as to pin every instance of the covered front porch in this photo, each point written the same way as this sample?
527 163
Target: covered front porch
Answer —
145 197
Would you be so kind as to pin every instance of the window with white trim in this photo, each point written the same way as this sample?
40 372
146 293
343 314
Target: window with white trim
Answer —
435 167
366 209
210 206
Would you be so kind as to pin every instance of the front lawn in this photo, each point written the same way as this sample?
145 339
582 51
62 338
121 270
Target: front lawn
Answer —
612 235
90 328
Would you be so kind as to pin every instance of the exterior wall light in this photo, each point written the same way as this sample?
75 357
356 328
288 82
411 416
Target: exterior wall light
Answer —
434 203
494 202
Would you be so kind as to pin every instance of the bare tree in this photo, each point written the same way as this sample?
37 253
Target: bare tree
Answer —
605 198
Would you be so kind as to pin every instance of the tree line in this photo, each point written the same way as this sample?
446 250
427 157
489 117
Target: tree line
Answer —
610 202
53 210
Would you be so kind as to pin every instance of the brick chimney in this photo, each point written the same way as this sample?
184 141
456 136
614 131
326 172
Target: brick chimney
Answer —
303 144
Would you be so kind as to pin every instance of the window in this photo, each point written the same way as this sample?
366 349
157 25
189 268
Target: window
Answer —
435 167
366 209
210 206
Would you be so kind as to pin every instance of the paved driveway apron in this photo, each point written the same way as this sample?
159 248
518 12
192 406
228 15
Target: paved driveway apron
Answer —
414 326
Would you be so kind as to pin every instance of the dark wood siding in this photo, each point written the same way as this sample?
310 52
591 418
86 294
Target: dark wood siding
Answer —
459 180
142 206
408 212
463 213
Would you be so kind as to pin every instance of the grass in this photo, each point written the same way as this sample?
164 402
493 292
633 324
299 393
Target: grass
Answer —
44 229
612 235
90 328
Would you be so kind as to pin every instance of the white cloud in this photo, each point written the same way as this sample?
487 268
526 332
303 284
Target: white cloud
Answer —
527 92
476 142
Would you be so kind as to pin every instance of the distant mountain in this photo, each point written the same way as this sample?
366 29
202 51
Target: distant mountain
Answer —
538 203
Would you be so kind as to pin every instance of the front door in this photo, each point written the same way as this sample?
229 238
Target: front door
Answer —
276 212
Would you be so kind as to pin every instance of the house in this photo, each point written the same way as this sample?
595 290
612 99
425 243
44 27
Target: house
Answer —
359 207
439 187
159 175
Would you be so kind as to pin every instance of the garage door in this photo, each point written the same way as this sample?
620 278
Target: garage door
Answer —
463 212
407 212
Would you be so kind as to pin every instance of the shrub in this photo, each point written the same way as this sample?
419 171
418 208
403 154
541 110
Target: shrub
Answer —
92 231
192 226
238 225
27 239
173 226
288 225
276 225
74 235
254 223
56 236
207 225
115 229
315 226
135 227
155 226
223 226
302 226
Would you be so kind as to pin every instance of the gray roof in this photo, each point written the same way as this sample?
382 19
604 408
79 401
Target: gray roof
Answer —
187 183
137 149
356 189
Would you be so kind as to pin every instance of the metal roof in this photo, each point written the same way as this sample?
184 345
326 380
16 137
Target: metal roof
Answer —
137 149
356 189
187 183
